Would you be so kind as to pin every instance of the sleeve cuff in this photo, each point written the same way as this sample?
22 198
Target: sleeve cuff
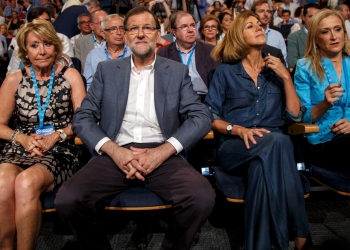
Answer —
100 143
176 144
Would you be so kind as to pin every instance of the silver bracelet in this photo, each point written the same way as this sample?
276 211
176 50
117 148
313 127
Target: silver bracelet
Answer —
13 138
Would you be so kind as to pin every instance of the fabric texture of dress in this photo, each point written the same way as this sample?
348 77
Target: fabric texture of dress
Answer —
62 161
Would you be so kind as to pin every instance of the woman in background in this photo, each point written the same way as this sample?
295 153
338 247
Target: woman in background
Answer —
210 29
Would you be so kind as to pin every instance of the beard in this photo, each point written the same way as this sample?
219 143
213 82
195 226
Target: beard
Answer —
143 50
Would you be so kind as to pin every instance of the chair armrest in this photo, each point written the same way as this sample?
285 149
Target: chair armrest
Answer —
78 141
302 128
209 136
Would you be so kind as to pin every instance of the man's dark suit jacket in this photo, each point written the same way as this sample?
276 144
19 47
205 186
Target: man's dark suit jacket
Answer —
204 63
66 22
273 52
174 98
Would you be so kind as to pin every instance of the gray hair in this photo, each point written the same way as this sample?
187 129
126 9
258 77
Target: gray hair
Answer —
104 21
94 3
84 14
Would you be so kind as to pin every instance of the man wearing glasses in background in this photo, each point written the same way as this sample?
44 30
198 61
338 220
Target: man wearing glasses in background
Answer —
131 121
194 54
84 27
85 44
114 47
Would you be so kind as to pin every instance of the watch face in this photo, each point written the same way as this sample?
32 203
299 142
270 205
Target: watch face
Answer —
229 128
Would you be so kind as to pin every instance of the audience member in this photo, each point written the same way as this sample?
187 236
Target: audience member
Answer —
71 15
343 10
278 18
250 135
288 5
37 156
217 6
83 25
141 144
323 85
28 4
2 17
210 30
37 13
85 44
58 7
297 40
225 22
196 55
13 24
49 6
298 14
273 37
286 19
115 46
9 8
166 23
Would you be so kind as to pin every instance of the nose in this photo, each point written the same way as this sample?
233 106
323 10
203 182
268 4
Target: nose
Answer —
42 50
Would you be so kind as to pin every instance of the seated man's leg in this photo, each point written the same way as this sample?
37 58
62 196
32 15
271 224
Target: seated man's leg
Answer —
192 197
82 198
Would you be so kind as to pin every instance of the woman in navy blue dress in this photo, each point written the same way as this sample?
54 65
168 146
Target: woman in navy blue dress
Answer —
250 97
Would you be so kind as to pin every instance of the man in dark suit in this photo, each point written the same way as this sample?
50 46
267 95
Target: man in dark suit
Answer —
194 54
130 120
66 22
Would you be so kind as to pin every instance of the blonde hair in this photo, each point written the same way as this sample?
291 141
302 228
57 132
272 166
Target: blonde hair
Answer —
6 32
42 29
233 47
311 53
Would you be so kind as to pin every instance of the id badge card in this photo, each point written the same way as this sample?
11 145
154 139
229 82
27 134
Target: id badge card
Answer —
45 130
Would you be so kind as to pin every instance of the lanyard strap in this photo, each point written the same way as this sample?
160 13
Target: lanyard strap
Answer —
267 35
109 58
41 111
189 59
305 30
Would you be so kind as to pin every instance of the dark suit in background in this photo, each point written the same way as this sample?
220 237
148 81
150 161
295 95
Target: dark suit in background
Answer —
204 62
66 22
82 198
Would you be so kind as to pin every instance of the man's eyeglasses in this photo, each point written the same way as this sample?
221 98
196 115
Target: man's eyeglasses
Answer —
115 29
98 23
185 27
210 27
84 22
145 29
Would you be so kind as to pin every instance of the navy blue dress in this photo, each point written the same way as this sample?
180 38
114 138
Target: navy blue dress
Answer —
274 202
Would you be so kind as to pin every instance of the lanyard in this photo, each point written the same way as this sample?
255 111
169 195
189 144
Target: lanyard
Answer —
41 111
109 58
96 44
305 30
267 35
189 59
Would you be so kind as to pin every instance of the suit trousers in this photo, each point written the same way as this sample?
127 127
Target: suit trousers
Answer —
274 205
80 201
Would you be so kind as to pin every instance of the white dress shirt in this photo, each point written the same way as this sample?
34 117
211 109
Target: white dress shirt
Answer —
140 123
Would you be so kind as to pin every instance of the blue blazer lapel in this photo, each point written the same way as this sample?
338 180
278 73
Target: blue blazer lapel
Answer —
161 84
122 82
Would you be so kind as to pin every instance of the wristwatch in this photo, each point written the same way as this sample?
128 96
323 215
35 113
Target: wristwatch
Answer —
229 128
63 135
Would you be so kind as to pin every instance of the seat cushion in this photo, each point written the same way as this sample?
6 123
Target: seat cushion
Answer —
234 187
136 197
335 180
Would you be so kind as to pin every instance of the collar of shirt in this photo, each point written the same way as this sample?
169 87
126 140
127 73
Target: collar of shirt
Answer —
96 43
122 55
148 67
178 48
